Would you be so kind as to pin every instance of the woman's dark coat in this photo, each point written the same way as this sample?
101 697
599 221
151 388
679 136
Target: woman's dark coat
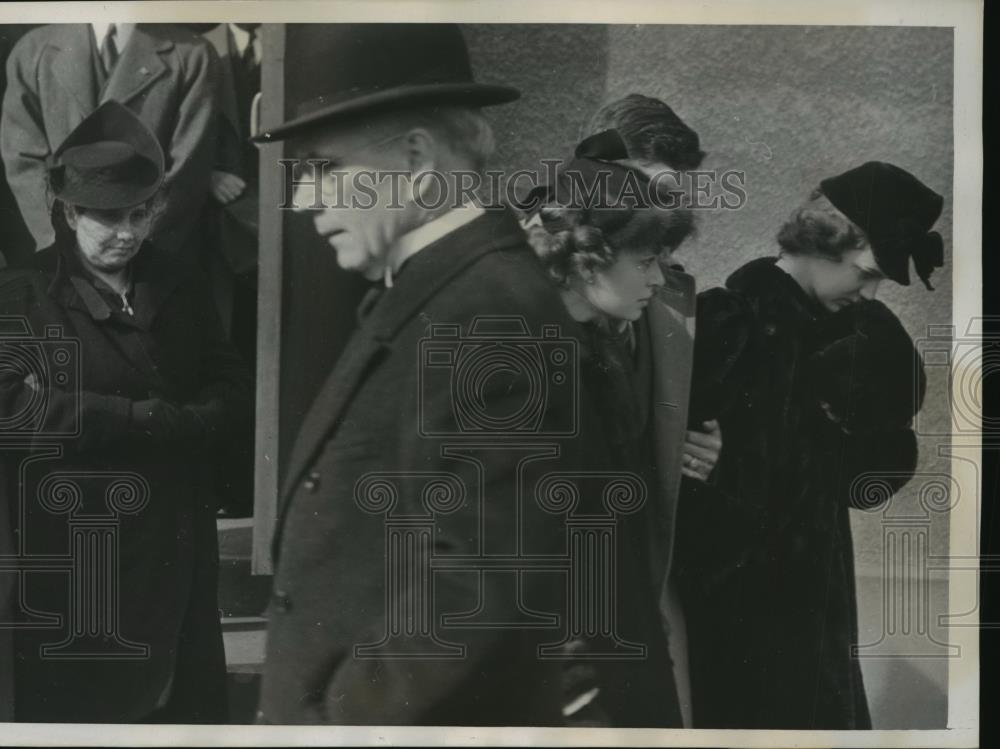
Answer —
633 692
172 349
764 556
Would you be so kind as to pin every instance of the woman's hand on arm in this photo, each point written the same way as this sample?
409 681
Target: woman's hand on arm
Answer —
701 451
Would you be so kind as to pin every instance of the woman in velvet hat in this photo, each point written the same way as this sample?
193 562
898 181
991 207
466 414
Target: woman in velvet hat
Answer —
815 385
131 633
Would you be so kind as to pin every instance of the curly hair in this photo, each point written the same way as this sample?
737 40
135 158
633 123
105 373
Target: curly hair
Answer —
571 239
818 228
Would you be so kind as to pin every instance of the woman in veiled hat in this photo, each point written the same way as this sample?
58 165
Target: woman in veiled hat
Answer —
603 246
815 385
136 389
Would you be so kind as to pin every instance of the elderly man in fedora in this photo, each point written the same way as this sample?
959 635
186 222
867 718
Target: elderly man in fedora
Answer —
127 436
348 641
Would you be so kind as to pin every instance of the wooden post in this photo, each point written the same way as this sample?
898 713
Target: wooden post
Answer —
269 301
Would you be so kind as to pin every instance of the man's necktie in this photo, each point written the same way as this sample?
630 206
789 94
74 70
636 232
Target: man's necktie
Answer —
249 62
109 50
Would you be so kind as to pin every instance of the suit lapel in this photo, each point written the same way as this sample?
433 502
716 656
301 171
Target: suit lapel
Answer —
670 315
78 80
425 275
138 67
360 355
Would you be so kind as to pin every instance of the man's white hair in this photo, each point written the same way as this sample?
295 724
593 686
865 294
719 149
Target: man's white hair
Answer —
463 129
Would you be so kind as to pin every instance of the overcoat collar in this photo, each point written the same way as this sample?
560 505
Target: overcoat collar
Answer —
762 278
425 275
436 265
74 71
138 67
154 278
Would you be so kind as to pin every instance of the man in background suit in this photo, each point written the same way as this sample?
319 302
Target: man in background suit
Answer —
16 242
230 225
231 216
58 74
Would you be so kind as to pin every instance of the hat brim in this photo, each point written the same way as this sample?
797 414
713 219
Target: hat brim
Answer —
472 94
108 197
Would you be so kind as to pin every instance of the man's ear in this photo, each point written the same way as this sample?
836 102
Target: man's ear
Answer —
424 155
422 150
70 213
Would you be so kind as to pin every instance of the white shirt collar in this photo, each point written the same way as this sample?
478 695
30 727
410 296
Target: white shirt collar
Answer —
122 33
241 38
415 240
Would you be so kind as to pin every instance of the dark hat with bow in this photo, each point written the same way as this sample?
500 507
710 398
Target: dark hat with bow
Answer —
896 211
355 68
608 194
605 191
110 160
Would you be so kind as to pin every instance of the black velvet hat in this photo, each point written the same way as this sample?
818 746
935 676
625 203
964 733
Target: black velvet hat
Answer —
353 68
592 181
110 160
896 211
611 196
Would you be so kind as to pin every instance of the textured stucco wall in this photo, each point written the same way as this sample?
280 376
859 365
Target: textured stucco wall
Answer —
786 105
789 106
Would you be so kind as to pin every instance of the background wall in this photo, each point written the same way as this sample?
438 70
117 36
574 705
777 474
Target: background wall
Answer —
788 106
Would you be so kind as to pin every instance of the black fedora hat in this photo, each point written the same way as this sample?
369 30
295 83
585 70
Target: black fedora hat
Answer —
357 68
110 160
896 210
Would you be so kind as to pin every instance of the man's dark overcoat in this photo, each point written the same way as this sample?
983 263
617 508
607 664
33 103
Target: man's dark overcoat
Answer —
173 349
383 409
764 552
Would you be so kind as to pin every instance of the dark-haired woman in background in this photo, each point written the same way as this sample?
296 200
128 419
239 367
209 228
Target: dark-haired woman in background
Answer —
605 257
815 386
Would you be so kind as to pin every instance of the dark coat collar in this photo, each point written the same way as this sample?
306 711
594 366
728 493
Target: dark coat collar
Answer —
437 263
425 274
761 278
155 275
